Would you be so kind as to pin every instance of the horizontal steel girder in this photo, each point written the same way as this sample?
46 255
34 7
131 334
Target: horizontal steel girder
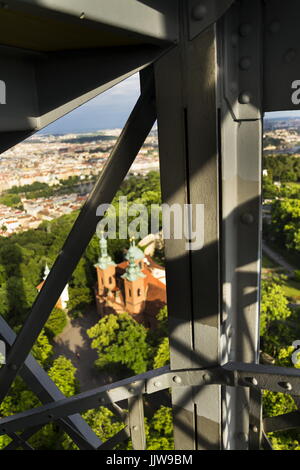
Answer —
276 379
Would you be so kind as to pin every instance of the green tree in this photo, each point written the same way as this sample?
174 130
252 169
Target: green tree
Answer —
120 339
56 322
63 373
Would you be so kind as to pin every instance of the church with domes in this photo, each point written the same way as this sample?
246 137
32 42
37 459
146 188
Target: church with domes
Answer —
136 286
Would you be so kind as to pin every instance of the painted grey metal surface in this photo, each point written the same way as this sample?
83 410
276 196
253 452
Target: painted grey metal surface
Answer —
40 383
187 128
136 422
153 21
212 88
134 133
204 13
53 85
239 56
254 376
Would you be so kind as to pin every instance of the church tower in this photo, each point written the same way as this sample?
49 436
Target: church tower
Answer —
134 284
62 302
106 269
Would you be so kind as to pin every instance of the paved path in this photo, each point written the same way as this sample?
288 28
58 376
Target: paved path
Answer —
74 340
277 258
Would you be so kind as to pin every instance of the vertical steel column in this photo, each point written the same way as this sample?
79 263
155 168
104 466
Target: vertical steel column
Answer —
240 45
188 143
136 422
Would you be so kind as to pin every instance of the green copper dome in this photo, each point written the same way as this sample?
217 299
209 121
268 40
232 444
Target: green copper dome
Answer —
134 252
133 271
104 259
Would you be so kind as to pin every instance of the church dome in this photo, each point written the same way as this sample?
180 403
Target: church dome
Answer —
134 252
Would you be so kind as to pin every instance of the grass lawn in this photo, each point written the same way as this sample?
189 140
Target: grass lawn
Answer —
292 289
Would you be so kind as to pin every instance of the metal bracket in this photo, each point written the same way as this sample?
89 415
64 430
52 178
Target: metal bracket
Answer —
242 65
204 13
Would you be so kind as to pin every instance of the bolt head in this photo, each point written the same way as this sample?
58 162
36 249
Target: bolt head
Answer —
251 380
135 428
131 390
82 16
245 97
242 436
177 379
198 12
286 385
245 63
157 384
206 377
254 428
247 218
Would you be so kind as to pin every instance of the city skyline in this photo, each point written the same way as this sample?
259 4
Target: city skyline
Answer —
111 109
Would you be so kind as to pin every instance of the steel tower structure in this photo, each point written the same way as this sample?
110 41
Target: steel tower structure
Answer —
209 69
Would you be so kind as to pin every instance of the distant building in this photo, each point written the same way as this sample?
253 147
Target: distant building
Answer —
136 286
62 302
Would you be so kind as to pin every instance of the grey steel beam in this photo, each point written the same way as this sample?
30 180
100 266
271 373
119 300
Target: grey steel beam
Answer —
132 138
45 389
282 422
155 22
240 101
54 84
187 127
111 393
121 436
254 376
20 442
136 422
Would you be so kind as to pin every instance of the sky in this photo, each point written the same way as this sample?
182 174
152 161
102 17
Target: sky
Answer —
110 110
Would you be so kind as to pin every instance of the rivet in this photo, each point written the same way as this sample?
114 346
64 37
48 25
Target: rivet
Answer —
285 385
244 98
102 400
177 379
199 11
135 428
274 27
242 436
157 384
254 428
131 390
245 63
206 377
290 56
82 16
251 380
13 366
247 218
245 29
